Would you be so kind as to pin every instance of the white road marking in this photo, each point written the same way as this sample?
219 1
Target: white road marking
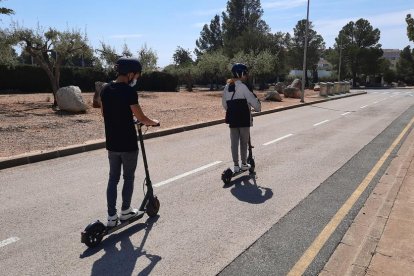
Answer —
9 241
378 101
186 174
277 140
320 123
364 106
346 113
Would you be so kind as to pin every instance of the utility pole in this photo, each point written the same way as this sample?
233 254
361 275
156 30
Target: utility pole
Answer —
302 97
340 58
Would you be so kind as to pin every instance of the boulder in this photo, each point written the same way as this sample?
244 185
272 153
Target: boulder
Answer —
273 96
291 92
280 87
97 96
296 83
317 87
70 99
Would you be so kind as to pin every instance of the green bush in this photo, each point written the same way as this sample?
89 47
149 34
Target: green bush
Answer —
33 79
157 81
23 79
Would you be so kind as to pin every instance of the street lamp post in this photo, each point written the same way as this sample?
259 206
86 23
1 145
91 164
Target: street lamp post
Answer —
340 59
302 97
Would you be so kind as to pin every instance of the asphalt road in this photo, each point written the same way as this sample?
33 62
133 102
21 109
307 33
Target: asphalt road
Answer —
308 161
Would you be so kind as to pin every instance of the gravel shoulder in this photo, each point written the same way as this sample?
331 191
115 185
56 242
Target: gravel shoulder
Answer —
29 124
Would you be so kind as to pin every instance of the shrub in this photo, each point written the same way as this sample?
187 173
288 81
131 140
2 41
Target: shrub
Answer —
157 81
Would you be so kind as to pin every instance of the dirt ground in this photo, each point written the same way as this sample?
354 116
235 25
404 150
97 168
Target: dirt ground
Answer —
28 123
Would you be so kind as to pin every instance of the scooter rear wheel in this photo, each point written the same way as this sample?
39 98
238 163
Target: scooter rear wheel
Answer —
153 206
94 234
226 176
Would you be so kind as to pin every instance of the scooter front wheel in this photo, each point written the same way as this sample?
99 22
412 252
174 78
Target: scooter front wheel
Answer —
153 206
226 176
93 234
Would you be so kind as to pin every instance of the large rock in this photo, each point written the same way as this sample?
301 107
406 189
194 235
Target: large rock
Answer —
293 90
296 83
97 96
273 96
70 99
280 87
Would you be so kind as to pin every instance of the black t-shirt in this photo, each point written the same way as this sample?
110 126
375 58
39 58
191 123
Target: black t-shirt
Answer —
120 132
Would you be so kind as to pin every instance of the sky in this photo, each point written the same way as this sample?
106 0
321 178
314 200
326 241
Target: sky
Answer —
163 25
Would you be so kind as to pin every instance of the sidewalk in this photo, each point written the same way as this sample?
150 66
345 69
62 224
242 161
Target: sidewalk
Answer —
380 241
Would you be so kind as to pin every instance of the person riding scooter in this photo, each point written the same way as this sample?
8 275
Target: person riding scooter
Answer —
119 106
238 100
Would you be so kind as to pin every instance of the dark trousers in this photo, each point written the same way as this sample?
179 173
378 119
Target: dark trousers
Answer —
128 162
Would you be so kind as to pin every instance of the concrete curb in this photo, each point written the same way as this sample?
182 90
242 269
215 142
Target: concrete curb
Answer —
29 158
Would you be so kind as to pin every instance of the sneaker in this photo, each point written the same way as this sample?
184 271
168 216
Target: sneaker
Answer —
236 169
112 221
128 213
245 167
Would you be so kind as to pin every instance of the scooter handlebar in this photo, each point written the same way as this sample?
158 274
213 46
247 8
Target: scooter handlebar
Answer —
142 124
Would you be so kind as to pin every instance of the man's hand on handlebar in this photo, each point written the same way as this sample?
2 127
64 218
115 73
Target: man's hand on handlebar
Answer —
149 122
155 123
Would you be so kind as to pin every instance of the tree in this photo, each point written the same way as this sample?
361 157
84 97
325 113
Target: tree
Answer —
315 47
49 49
410 27
8 55
126 52
182 56
214 66
148 58
211 37
360 46
242 26
278 45
405 65
263 67
107 55
85 58
5 11
184 67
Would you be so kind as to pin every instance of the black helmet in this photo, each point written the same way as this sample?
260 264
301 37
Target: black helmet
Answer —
239 70
126 65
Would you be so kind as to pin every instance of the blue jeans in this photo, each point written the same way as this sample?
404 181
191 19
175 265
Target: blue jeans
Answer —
128 162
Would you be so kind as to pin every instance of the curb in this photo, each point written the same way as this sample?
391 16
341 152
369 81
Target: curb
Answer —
25 159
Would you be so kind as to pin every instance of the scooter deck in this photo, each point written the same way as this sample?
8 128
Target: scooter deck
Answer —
123 223
239 172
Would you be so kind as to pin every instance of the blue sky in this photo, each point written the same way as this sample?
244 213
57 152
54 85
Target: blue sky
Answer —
164 25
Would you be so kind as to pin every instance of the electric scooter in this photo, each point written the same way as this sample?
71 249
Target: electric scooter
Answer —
228 174
94 232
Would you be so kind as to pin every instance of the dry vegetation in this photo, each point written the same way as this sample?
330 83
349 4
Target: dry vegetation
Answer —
28 123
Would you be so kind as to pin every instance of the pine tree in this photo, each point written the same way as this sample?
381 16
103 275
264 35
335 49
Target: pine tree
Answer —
242 25
357 39
211 38
410 27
